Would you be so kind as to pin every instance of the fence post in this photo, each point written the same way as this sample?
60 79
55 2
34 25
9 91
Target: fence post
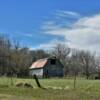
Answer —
37 81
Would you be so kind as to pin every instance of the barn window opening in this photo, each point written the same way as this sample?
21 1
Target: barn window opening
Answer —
53 61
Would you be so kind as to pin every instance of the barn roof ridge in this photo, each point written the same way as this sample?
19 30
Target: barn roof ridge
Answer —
40 63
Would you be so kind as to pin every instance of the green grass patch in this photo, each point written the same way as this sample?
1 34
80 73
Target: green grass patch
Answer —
57 89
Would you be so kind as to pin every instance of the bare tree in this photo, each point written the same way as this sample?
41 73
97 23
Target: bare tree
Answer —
89 62
75 65
5 46
61 51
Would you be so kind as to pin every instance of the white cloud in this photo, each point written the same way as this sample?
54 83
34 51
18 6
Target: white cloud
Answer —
83 34
49 45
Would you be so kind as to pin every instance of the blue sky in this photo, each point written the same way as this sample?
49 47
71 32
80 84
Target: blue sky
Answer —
34 23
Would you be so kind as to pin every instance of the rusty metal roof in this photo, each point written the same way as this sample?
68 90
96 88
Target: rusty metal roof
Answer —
39 63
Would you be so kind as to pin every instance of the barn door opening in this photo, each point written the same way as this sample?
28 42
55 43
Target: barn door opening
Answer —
53 62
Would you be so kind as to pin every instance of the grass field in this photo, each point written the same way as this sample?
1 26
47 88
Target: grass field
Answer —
57 89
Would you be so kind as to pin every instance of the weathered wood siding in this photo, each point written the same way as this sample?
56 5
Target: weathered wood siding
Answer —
38 72
53 70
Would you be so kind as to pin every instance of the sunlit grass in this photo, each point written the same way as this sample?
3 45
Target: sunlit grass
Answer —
57 89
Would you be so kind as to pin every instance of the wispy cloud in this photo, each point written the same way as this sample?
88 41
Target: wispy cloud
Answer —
62 13
17 34
61 18
48 46
28 35
83 33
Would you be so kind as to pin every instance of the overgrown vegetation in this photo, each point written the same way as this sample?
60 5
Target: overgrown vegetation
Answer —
57 89
15 60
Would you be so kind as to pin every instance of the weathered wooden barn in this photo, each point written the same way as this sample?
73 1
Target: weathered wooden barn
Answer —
47 67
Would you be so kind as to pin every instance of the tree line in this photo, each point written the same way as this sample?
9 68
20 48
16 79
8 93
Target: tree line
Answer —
16 60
